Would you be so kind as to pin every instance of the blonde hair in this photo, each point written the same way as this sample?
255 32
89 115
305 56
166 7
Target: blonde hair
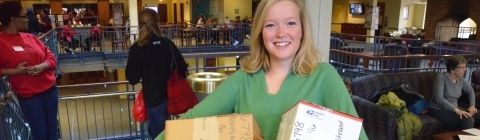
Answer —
307 57
148 24
209 21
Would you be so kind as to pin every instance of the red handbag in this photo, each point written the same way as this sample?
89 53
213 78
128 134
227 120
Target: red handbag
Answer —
180 96
139 110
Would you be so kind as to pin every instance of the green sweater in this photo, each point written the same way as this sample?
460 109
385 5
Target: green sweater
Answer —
245 93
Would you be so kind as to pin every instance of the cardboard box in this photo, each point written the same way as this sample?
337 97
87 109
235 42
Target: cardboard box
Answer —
226 127
307 121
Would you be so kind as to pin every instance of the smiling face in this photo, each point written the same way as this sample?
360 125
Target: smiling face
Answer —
282 31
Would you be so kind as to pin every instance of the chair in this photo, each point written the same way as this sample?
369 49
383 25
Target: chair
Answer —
351 60
394 50
118 41
336 43
475 80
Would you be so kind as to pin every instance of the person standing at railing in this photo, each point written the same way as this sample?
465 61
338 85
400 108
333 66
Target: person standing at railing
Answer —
150 59
230 32
95 36
199 26
283 68
65 15
45 22
33 24
67 36
246 26
448 87
29 66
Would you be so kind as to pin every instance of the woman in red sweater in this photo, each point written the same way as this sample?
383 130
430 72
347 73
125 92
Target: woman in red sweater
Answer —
29 66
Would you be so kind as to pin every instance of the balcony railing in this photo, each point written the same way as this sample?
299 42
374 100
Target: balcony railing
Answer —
391 55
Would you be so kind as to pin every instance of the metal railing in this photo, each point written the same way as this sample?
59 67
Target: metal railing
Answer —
354 58
99 116
107 115
117 39
12 121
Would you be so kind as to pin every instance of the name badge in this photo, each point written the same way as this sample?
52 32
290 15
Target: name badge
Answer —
18 48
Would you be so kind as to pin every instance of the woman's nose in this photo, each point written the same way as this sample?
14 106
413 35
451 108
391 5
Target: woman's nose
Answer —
280 31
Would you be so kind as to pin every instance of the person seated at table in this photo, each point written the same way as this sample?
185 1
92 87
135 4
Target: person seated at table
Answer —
214 32
448 87
420 35
418 39
95 36
67 35
398 42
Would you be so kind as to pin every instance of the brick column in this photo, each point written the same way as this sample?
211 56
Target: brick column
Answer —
103 7
56 6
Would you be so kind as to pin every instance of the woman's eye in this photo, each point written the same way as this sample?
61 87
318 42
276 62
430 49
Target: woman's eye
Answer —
269 25
292 23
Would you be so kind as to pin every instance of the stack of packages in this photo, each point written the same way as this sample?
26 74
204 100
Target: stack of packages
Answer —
304 121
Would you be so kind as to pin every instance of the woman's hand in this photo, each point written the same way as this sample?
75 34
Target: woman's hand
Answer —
472 110
21 69
37 69
462 113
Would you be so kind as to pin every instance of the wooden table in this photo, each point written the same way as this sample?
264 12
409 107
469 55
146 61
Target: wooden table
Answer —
450 135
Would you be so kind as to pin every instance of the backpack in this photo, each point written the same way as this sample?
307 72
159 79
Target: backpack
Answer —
414 101
95 32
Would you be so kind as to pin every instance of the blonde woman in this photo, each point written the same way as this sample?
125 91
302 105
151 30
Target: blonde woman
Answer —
149 59
282 69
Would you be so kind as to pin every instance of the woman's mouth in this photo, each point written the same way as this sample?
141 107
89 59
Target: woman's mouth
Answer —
281 44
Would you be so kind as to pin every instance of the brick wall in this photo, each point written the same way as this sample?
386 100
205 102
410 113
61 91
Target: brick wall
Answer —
439 9
56 6
103 11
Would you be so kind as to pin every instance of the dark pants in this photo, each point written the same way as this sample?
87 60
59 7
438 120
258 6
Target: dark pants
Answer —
156 119
214 37
452 120
88 41
41 114
235 35
74 43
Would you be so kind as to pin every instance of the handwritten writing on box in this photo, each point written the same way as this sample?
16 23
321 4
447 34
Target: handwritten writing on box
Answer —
306 121
238 127
225 127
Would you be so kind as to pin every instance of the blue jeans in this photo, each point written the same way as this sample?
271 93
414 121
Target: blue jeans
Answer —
156 119
40 111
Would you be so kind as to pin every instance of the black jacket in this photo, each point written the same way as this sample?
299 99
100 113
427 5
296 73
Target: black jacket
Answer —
33 24
152 64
